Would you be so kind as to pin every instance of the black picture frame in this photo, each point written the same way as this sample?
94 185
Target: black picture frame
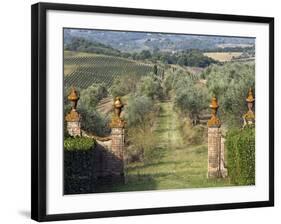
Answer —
39 122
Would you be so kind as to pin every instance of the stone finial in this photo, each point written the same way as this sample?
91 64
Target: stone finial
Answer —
118 105
73 115
250 98
73 97
116 120
214 120
249 117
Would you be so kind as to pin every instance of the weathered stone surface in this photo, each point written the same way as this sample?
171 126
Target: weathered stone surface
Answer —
117 144
216 156
223 170
214 145
74 128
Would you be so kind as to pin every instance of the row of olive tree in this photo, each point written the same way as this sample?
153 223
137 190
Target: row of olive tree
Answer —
230 83
129 84
189 98
188 95
140 116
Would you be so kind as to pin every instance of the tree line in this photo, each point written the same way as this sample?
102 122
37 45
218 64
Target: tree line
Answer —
191 57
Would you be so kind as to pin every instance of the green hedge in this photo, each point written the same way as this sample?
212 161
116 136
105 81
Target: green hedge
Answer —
78 143
79 171
79 174
241 155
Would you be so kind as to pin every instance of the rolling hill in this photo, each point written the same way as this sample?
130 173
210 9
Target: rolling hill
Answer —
84 69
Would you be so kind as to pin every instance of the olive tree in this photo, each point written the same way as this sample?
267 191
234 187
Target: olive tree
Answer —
230 83
150 86
90 97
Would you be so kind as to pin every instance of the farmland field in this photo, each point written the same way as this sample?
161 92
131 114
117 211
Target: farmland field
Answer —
232 45
84 69
223 56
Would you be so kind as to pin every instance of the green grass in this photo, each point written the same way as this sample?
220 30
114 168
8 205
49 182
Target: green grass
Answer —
178 165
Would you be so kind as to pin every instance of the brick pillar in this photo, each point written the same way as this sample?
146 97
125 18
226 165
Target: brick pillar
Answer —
117 139
117 149
215 153
214 156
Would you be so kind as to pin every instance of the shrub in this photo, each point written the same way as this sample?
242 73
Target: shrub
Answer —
150 86
173 78
241 155
193 134
190 98
133 154
78 144
142 146
79 174
124 85
140 111
90 97
141 114
94 122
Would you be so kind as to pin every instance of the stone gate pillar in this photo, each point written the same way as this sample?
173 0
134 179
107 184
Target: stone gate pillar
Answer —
73 118
214 142
117 137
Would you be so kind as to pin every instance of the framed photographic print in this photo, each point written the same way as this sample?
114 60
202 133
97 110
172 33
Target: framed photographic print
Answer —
139 111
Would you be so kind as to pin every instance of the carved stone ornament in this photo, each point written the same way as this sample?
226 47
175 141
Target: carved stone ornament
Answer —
73 115
117 121
214 120
249 117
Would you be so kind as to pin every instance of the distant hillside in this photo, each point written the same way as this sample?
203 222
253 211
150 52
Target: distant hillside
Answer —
189 57
84 69
83 45
138 41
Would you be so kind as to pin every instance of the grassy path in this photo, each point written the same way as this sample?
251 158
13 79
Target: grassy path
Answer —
178 166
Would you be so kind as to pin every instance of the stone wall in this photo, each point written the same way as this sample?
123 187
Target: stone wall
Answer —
109 167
